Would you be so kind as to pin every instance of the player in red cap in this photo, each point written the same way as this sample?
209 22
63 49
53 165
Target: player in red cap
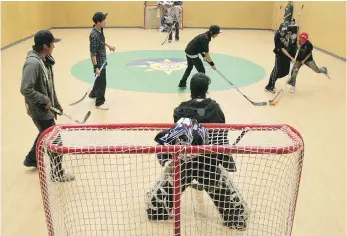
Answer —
305 57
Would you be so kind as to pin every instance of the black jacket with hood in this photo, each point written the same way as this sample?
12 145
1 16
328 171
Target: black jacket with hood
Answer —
203 110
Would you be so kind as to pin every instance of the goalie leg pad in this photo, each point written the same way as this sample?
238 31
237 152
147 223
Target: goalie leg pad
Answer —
160 199
229 202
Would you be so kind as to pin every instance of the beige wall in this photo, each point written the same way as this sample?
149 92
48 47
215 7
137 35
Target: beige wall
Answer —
22 19
79 14
325 22
228 14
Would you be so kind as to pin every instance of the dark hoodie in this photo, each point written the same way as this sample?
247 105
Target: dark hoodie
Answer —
36 89
203 110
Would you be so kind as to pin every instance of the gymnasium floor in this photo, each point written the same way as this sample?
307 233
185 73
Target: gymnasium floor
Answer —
317 110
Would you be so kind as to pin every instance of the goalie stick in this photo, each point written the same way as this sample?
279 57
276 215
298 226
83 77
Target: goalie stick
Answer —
80 100
254 103
66 115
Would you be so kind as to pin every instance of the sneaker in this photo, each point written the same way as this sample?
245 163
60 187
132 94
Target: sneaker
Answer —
30 163
292 89
177 39
66 177
103 107
182 84
170 41
269 90
327 73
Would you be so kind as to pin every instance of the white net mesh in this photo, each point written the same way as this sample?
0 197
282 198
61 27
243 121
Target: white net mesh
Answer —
120 188
155 15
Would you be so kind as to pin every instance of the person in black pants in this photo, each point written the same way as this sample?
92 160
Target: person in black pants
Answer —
98 56
37 86
283 57
199 45
209 170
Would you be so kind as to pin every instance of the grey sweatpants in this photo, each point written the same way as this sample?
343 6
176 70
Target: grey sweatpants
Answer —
311 64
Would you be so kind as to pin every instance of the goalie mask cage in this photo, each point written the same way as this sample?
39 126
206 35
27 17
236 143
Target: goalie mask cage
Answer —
153 14
119 181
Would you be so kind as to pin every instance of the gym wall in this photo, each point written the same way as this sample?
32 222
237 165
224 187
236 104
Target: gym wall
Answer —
22 19
228 14
79 14
325 22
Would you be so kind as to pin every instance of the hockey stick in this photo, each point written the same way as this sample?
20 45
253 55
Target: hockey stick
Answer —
278 15
302 6
273 102
66 115
254 103
80 100
241 135
171 28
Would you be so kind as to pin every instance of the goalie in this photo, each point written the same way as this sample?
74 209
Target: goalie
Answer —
209 170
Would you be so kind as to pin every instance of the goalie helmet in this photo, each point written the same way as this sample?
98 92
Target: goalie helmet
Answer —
185 132
284 27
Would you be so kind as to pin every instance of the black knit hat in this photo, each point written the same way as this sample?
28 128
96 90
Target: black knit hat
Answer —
199 84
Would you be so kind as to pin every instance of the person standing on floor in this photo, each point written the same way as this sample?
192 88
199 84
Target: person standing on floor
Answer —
174 16
199 45
98 55
305 58
282 59
37 86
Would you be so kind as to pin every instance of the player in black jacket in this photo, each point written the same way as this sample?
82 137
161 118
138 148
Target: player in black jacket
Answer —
209 170
305 58
283 58
199 45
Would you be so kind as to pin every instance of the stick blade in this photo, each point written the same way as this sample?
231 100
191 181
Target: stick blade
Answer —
74 103
86 117
259 103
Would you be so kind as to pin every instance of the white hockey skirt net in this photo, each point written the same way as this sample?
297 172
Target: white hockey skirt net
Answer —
120 188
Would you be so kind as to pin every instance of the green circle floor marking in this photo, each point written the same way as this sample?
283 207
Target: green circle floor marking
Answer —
159 71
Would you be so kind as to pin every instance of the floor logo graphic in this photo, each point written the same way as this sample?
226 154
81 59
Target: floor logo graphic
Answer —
165 65
160 71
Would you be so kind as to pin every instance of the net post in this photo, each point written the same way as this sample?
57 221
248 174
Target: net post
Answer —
301 160
177 194
42 176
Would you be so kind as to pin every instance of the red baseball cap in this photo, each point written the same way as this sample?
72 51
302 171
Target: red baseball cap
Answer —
303 37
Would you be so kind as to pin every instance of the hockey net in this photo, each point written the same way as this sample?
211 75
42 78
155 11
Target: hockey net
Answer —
121 189
153 14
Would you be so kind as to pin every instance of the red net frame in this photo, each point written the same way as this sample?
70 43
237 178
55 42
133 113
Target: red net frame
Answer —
156 5
134 149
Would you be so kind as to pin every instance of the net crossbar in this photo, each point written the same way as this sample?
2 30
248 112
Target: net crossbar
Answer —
248 187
